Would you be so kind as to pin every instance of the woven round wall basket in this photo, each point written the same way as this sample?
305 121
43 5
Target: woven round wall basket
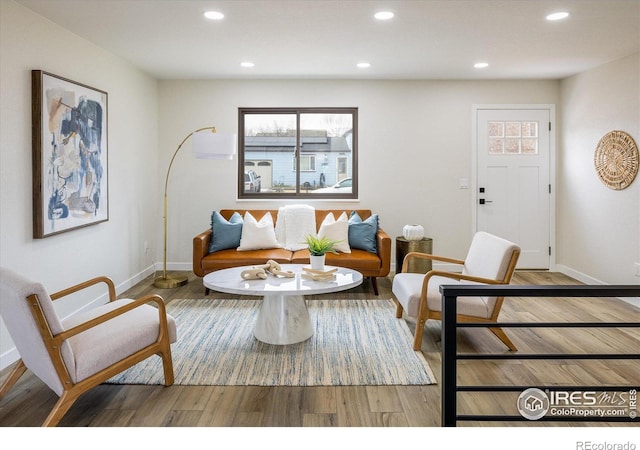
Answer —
616 160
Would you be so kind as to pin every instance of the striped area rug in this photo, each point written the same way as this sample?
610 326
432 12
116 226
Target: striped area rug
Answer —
356 342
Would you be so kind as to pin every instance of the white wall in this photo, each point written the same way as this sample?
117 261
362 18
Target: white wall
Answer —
114 248
598 228
414 146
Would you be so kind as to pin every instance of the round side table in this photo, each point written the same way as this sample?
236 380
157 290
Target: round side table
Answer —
403 246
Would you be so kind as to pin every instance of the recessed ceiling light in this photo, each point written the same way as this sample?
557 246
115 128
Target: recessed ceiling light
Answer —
481 65
247 64
363 65
558 16
384 15
214 15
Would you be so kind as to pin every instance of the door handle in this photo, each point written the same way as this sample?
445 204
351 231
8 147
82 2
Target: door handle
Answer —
483 201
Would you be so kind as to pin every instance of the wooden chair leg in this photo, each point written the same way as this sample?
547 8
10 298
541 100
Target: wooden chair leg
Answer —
167 365
399 309
504 338
61 407
13 377
417 341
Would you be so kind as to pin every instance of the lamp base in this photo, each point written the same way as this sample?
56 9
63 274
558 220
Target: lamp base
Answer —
170 282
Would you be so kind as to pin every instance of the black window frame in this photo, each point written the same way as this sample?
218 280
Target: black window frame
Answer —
300 193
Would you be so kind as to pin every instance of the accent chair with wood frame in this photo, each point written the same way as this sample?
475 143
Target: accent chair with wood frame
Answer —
490 260
82 351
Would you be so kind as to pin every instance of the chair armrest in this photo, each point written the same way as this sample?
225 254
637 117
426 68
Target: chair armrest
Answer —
459 276
418 255
453 275
200 250
70 290
154 298
383 242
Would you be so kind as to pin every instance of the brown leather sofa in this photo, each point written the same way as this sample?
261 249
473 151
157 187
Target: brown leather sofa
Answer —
371 265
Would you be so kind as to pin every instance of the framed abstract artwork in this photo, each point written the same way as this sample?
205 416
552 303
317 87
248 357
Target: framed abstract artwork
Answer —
70 170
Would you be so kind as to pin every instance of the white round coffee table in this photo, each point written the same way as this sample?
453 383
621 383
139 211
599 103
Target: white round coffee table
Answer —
283 318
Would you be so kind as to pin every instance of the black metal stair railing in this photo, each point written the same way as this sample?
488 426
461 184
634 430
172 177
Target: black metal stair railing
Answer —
450 355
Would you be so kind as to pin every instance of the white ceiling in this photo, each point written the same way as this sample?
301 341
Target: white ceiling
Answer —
427 39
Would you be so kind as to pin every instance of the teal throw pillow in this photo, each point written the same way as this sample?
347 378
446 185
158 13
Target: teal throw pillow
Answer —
362 234
226 233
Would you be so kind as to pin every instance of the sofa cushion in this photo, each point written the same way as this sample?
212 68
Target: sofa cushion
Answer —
360 260
258 235
225 233
232 258
362 234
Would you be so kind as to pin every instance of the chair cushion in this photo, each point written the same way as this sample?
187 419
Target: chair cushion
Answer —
407 287
110 342
16 314
488 256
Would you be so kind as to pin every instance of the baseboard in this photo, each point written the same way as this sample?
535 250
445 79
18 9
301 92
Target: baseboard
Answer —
135 279
185 267
581 277
586 279
8 358
12 355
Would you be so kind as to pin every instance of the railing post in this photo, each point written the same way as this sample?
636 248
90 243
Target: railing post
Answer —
449 376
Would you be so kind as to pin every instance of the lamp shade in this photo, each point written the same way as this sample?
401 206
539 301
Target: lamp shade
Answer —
210 145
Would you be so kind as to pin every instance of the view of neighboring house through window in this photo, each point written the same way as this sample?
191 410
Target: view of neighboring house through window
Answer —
297 153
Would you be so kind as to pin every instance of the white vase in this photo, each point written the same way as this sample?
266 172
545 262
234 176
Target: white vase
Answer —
413 232
317 262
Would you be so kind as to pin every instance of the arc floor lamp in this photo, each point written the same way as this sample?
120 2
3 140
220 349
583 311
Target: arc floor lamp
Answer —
207 144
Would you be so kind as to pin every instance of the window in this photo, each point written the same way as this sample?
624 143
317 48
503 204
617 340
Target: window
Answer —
307 163
513 138
298 152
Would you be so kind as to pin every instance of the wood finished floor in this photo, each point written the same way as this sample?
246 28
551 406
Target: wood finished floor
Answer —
29 402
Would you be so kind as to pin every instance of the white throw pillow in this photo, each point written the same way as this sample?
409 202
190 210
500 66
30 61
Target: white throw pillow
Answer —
257 235
336 230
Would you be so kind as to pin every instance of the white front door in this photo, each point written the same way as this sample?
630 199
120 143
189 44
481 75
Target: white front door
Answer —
513 171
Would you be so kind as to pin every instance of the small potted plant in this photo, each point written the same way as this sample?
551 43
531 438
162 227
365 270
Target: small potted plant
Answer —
318 248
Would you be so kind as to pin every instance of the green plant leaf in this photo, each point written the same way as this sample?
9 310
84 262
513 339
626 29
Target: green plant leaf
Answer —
318 246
